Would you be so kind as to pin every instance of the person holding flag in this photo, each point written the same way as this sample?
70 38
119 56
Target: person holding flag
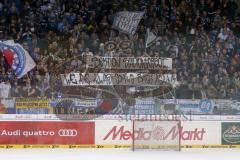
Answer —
17 58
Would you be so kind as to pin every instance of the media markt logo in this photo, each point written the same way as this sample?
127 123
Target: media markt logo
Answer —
231 133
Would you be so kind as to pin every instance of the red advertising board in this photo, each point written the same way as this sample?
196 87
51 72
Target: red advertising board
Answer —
47 132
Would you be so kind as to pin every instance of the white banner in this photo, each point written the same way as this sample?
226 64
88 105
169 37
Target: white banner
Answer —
127 22
105 79
85 102
144 106
17 57
151 63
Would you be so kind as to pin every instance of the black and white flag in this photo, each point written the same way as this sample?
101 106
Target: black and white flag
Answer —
127 22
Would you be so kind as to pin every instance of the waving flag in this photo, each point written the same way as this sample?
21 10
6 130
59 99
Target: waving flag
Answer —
150 38
127 22
8 56
17 58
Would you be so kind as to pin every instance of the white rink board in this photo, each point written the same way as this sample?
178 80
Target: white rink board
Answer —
115 133
194 133
60 117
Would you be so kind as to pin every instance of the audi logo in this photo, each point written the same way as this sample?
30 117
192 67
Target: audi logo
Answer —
67 132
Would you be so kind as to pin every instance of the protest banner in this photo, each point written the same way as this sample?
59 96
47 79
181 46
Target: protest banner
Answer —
127 63
105 79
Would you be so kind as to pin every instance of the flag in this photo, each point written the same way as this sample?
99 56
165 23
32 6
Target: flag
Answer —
17 58
8 56
150 38
127 22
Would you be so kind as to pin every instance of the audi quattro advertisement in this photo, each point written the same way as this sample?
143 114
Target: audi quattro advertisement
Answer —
191 133
65 133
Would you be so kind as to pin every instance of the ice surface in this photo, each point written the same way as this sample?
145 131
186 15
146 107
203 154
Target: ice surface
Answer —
116 154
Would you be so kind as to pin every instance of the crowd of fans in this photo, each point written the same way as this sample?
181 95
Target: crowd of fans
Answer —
202 37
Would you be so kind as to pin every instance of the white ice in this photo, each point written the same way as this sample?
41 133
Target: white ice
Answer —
116 154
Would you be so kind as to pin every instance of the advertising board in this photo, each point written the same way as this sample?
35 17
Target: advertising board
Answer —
7 106
230 133
51 133
196 106
191 133
32 106
115 134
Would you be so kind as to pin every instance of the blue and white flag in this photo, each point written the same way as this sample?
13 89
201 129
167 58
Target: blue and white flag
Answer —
17 58
127 22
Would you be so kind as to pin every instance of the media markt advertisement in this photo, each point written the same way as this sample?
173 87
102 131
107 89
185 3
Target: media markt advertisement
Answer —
231 133
198 134
46 133
33 106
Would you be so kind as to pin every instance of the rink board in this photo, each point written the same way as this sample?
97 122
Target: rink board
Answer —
111 146
112 134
